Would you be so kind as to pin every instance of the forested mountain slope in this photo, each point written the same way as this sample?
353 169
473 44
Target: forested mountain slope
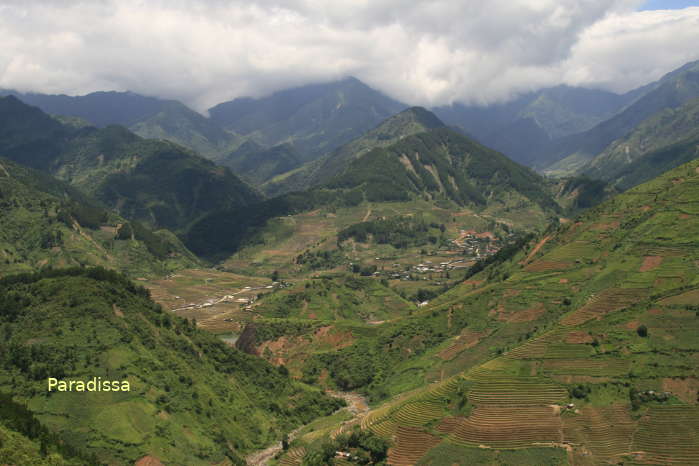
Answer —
191 400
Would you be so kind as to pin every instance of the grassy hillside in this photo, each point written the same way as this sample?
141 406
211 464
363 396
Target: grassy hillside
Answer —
579 348
193 399
49 223
156 182
406 123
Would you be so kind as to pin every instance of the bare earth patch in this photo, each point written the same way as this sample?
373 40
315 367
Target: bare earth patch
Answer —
148 461
563 280
579 337
650 263
536 249
633 325
547 266
684 389
655 312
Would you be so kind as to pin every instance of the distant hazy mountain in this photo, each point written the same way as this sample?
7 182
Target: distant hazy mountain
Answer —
258 164
672 91
522 128
157 182
660 143
148 117
316 118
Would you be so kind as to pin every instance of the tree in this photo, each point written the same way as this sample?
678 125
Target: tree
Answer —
275 276
642 331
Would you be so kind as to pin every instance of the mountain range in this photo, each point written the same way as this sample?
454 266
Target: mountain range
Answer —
325 269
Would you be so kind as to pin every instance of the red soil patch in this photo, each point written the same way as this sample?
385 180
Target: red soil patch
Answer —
684 389
655 312
650 262
646 208
563 280
511 292
633 325
498 311
685 216
148 461
605 226
536 249
579 337
547 266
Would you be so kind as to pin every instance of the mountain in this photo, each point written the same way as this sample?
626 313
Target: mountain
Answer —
189 398
316 118
258 164
438 166
47 222
149 117
670 92
157 182
523 127
178 123
406 123
665 140
577 346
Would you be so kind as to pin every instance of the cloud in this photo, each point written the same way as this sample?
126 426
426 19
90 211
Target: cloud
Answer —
422 52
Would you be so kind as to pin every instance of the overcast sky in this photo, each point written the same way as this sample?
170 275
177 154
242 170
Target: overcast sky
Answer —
423 52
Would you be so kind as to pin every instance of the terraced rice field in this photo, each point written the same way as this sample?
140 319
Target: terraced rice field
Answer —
293 458
589 367
669 435
536 348
508 427
417 413
557 350
547 266
410 445
609 300
605 432
516 391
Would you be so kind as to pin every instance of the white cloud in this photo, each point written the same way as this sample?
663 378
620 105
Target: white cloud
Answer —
422 51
